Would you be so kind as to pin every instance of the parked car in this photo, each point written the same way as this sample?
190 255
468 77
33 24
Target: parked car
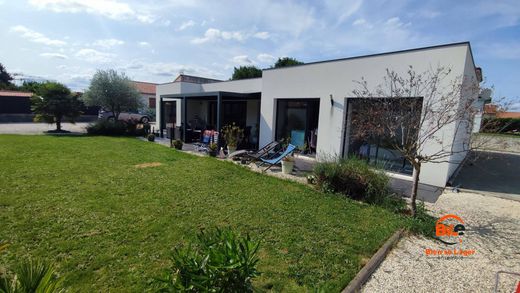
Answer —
124 116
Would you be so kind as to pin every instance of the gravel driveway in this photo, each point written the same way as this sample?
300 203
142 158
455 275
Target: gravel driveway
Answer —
39 128
493 230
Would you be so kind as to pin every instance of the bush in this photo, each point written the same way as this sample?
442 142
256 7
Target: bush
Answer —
31 276
114 128
220 261
177 144
500 125
353 178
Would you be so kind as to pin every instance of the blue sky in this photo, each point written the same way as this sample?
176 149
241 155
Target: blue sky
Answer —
67 40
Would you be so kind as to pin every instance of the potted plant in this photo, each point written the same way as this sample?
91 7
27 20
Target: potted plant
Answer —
213 149
232 134
177 144
287 164
151 137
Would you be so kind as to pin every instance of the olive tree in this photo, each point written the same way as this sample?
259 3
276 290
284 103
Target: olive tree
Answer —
416 111
113 92
53 102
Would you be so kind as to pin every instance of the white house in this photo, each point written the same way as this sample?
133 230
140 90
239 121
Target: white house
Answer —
311 101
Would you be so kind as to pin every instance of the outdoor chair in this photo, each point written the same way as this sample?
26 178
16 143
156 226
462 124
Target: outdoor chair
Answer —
271 162
263 152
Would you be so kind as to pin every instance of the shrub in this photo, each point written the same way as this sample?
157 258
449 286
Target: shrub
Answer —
353 178
177 144
114 128
106 127
500 125
220 261
31 276
151 137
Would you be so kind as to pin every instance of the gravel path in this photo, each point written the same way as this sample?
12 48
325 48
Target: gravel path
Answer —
39 128
493 230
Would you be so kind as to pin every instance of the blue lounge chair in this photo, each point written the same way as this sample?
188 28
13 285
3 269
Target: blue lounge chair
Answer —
290 148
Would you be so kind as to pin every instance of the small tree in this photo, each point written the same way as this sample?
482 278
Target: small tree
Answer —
413 112
244 72
53 102
286 61
112 91
5 79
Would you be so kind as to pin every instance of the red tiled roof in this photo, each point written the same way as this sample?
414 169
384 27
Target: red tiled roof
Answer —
490 109
15 94
145 87
508 114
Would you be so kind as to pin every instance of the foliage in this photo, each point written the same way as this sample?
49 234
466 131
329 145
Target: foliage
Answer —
286 62
5 79
244 72
113 92
114 128
220 261
53 102
423 223
30 86
501 125
353 178
232 134
111 225
31 276
177 144
151 137
213 147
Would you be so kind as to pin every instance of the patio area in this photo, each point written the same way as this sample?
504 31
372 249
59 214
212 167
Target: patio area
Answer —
303 164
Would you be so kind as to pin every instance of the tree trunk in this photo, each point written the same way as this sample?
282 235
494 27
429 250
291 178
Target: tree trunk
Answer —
58 124
416 172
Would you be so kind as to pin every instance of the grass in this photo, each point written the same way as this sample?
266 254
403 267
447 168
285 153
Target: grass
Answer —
107 225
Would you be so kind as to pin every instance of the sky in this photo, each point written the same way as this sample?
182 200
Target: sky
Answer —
154 41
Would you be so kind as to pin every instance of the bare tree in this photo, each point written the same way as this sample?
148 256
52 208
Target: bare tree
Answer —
426 117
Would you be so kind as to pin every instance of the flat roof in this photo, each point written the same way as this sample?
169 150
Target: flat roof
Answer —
383 54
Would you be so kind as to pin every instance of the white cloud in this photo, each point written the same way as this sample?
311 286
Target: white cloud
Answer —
144 44
108 43
186 25
36 37
213 34
166 71
242 60
265 58
54 55
262 35
503 50
112 9
94 56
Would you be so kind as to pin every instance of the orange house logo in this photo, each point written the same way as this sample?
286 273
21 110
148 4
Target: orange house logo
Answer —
450 229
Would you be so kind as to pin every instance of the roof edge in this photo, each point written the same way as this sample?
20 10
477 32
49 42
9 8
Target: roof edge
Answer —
383 54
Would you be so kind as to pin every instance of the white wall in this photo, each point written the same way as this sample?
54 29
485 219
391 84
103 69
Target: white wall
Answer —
336 78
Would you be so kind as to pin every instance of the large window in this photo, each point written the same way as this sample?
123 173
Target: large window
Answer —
368 137
298 119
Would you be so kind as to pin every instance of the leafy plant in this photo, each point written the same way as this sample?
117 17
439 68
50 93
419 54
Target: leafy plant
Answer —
220 261
353 178
232 134
213 147
31 276
177 144
115 128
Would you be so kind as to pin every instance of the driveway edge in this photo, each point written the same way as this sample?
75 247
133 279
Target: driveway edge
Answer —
367 271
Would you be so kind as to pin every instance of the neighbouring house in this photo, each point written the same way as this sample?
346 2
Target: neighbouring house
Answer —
312 101
15 106
147 91
492 111
481 105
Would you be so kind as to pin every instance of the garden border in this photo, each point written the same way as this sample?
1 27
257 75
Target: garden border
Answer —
366 272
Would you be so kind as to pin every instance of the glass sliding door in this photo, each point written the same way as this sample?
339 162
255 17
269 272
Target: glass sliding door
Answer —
297 119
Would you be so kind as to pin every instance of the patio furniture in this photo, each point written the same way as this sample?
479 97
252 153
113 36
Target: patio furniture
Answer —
271 162
255 156
298 138
208 137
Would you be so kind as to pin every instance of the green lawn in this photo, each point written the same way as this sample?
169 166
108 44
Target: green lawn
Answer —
81 203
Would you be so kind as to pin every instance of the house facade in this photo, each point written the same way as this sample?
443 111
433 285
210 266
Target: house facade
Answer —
312 101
